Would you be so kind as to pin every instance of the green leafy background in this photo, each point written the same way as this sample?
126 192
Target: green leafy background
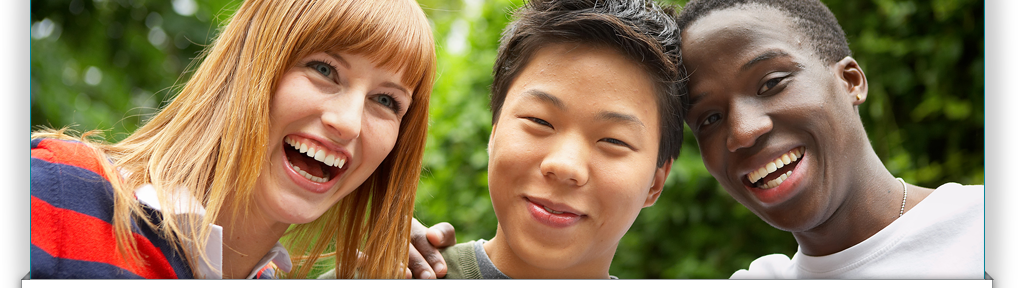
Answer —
109 64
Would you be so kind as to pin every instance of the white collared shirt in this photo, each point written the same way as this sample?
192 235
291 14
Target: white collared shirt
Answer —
213 267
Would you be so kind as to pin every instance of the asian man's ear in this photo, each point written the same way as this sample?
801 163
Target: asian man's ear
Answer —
491 138
853 79
660 175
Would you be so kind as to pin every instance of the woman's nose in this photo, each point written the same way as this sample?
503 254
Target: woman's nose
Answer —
343 116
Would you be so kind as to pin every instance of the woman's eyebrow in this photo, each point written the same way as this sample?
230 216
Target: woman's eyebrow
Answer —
397 87
340 59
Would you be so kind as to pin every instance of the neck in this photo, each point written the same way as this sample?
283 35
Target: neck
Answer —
507 260
870 200
246 239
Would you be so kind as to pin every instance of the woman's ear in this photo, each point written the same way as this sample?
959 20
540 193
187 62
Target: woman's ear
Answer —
853 79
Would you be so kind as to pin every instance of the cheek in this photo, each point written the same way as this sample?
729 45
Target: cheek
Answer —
292 97
283 113
513 151
621 198
513 162
378 138
710 151
621 187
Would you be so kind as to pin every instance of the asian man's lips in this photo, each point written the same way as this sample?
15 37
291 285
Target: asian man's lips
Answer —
554 215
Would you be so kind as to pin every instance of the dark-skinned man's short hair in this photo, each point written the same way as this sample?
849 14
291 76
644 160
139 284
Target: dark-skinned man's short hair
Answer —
640 29
810 17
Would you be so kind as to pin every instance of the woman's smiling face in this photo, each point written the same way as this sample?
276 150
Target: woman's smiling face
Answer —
333 119
773 122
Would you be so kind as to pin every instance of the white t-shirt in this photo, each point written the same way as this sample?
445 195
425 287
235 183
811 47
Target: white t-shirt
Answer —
940 238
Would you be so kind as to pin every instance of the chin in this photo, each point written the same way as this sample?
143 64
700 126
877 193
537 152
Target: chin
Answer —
789 222
550 260
291 209
304 218
546 257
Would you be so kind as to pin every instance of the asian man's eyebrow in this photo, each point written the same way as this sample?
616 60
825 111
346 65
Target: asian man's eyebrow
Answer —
617 117
545 97
601 116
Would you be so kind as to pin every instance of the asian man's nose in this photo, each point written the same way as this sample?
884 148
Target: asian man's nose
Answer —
567 162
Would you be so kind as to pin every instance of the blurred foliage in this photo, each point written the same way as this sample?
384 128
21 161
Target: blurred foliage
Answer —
108 64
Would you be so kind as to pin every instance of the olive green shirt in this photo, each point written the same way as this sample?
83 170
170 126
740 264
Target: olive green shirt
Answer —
461 261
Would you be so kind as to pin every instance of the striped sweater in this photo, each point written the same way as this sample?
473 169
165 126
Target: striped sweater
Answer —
72 213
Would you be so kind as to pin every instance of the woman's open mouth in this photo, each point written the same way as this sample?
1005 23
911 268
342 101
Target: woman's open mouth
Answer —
313 161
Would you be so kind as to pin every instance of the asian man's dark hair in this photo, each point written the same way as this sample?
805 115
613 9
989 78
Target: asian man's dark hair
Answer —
642 30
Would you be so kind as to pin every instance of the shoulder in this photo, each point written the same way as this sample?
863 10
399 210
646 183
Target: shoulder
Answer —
767 267
67 175
955 196
459 249
955 189
461 261
72 233
67 153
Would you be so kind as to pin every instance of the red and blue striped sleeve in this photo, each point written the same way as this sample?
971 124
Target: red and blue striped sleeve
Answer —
72 212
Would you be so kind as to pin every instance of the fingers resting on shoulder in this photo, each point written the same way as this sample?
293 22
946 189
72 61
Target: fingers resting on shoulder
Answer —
426 260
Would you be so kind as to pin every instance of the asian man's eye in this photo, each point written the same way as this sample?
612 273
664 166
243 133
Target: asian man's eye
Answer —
618 142
540 121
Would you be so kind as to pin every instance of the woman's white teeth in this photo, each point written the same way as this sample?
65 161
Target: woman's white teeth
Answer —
552 211
309 176
785 159
317 153
319 156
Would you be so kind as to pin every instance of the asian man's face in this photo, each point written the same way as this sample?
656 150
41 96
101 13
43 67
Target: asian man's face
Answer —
573 155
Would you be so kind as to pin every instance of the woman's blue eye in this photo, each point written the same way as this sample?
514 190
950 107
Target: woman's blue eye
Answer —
385 100
322 68
388 101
